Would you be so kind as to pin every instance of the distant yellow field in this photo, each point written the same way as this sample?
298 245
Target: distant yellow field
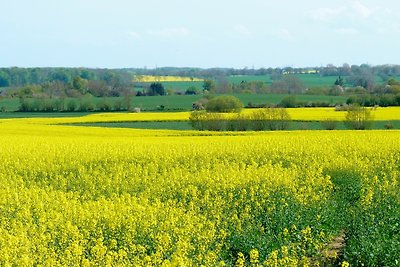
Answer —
298 114
150 78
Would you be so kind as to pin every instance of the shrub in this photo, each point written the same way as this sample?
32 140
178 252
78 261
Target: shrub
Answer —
388 126
86 105
273 119
192 90
119 105
288 102
358 118
71 105
59 104
198 120
104 105
224 103
243 122
215 122
283 118
265 119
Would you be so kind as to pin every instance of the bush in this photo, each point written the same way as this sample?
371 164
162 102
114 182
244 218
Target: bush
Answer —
271 119
119 105
242 122
224 103
358 118
266 119
86 105
388 126
198 120
215 122
71 105
104 105
192 90
288 102
259 120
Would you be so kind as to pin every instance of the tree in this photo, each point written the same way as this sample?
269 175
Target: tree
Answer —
362 76
339 81
358 118
288 84
80 84
224 103
4 79
209 85
192 90
156 89
288 102
98 88
60 75
223 86
271 119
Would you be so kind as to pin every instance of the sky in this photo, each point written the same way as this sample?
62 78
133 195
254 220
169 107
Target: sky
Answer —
198 33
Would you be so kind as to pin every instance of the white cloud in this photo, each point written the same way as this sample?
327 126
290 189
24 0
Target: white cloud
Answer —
169 32
355 9
362 10
327 14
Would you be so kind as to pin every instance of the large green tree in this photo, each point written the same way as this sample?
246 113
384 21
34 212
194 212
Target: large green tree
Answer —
224 103
4 79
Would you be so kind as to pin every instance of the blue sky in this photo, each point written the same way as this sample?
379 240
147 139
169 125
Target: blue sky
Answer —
151 33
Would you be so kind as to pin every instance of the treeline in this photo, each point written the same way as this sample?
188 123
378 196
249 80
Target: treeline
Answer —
17 77
83 104
383 71
364 84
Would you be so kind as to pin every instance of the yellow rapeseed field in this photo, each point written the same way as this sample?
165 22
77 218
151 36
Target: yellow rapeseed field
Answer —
299 114
89 196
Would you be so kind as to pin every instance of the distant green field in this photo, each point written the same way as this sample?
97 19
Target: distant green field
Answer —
314 80
175 86
184 102
309 80
182 86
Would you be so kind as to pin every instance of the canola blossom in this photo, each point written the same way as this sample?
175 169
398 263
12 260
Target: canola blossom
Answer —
90 196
